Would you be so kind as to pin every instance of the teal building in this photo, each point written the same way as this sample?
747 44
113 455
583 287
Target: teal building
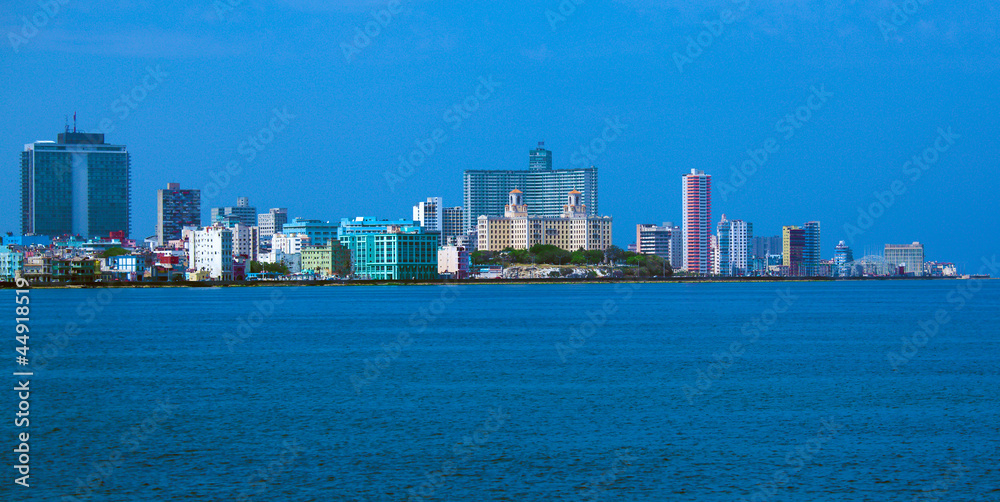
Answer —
319 232
389 249
78 185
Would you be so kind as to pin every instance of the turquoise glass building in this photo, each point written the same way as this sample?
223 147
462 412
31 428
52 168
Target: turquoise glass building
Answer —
389 249
78 185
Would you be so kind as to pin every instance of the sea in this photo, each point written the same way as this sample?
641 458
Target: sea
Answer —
766 391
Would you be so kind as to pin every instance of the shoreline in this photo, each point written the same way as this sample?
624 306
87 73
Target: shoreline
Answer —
441 282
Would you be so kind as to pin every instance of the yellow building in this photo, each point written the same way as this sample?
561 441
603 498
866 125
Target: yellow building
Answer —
518 230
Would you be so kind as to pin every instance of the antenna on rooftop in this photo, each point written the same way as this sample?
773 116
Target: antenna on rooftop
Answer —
74 121
66 121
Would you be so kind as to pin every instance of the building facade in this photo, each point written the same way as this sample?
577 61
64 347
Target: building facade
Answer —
393 253
665 241
485 191
842 256
318 232
733 239
573 229
696 200
331 259
78 185
811 249
271 222
453 226
243 211
11 264
428 214
176 208
246 242
210 250
793 241
908 256
454 262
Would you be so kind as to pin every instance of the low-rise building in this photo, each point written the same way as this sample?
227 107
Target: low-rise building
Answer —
330 260
517 229
908 256
11 264
454 262
211 250
392 252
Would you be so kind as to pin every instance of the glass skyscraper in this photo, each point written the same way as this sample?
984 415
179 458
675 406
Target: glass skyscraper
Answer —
485 191
78 185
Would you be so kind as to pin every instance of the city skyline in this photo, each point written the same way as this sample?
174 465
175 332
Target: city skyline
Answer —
705 251
217 88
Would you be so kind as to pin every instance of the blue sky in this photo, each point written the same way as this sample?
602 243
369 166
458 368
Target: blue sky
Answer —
561 70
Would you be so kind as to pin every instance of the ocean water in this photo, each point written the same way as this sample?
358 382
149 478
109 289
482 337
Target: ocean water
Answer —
644 392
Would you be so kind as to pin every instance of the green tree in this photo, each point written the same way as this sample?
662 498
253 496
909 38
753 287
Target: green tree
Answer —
613 254
115 251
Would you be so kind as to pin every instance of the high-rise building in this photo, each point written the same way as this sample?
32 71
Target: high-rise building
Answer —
246 241
519 229
246 213
176 208
271 222
811 249
453 227
842 255
696 197
733 254
428 214
485 191
540 159
762 247
78 185
793 241
908 256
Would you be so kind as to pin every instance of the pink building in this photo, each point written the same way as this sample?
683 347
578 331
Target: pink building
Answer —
696 191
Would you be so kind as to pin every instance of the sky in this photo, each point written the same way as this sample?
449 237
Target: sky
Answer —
839 95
